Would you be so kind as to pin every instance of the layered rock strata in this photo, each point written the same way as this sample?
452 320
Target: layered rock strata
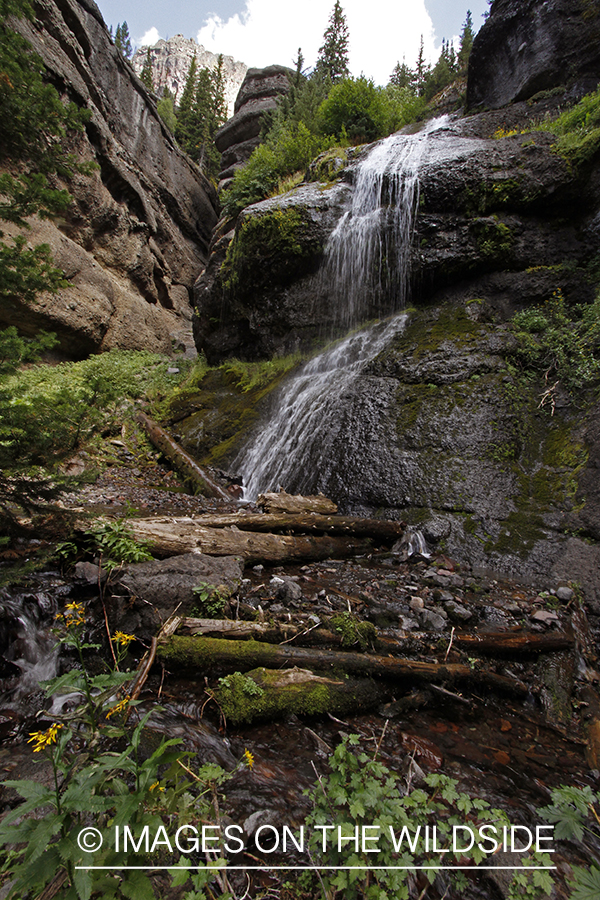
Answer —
139 227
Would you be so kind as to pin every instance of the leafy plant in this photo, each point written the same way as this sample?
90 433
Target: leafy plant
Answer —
361 791
210 599
572 810
577 129
562 342
115 542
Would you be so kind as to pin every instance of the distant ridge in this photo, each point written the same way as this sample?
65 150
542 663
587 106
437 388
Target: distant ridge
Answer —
171 61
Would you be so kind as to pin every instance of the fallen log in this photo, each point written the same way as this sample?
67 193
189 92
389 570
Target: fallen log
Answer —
282 502
280 632
507 642
207 654
185 464
265 694
173 537
306 522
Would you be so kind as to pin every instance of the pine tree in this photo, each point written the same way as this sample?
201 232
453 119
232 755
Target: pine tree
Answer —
166 110
422 70
146 73
123 40
466 42
402 76
333 55
185 126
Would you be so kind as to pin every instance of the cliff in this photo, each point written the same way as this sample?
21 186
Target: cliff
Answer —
138 230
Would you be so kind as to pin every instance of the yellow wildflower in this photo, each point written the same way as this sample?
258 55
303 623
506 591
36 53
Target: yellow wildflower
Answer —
249 758
74 614
122 639
156 786
118 708
44 739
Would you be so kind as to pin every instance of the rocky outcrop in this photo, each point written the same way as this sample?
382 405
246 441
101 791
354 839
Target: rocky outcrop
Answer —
238 137
528 46
139 227
171 61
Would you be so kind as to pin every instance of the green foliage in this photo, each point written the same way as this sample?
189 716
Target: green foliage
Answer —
166 110
233 694
362 791
333 55
562 342
106 775
123 40
34 120
116 544
210 600
202 111
47 411
15 350
355 107
289 148
354 632
572 810
577 129
146 73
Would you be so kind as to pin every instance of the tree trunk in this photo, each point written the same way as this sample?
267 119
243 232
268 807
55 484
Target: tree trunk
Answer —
171 537
183 462
281 502
207 654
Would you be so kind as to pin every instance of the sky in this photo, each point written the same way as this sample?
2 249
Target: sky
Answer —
262 32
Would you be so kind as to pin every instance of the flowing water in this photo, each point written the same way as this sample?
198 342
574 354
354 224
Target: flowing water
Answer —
367 262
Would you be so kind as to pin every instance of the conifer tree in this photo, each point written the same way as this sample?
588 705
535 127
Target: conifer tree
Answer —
402 76
123 40
146 73
466 42
333 55
166 110
185 126
421 70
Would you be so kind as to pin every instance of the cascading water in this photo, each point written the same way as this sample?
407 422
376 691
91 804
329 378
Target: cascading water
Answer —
367 258
367 267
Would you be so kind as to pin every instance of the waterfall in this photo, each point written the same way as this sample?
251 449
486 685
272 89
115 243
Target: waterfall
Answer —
367 267
367 258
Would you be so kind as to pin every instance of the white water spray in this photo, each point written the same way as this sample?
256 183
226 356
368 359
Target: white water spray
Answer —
367 263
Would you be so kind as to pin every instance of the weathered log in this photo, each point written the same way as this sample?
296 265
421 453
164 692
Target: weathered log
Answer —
281 502
297 691
207 654
507 642
172 537
279 633
183 462
303 523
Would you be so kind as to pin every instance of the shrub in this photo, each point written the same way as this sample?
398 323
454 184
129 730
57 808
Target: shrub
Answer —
357 108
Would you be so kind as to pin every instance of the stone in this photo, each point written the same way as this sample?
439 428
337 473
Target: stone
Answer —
171 61
528 46
138 230
433 620
289 591
158 588
457 612
565 594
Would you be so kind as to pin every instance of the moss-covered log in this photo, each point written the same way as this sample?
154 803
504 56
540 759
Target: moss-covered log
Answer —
171 537
264 694
206 654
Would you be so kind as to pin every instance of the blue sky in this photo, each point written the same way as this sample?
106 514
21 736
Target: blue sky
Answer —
261 32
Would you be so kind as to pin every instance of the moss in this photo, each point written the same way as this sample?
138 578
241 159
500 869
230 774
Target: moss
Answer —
268 249
329 166
489 196
354 632
494 239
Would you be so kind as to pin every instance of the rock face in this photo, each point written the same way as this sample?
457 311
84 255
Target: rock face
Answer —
139 227
171 61
527 46
238 137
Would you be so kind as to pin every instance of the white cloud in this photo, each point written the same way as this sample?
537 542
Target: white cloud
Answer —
382 32
149 39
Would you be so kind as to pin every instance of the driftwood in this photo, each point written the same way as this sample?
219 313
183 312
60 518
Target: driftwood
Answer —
281 502
174 536
305 523
185 464
297 691
508 643
205 654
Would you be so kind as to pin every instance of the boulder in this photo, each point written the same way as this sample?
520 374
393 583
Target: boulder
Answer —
139 227
258 95
528 46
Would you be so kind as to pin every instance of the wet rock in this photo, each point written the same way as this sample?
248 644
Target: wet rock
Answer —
565 594
526 46
431 619
158 588
457 612
88 573
289 590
